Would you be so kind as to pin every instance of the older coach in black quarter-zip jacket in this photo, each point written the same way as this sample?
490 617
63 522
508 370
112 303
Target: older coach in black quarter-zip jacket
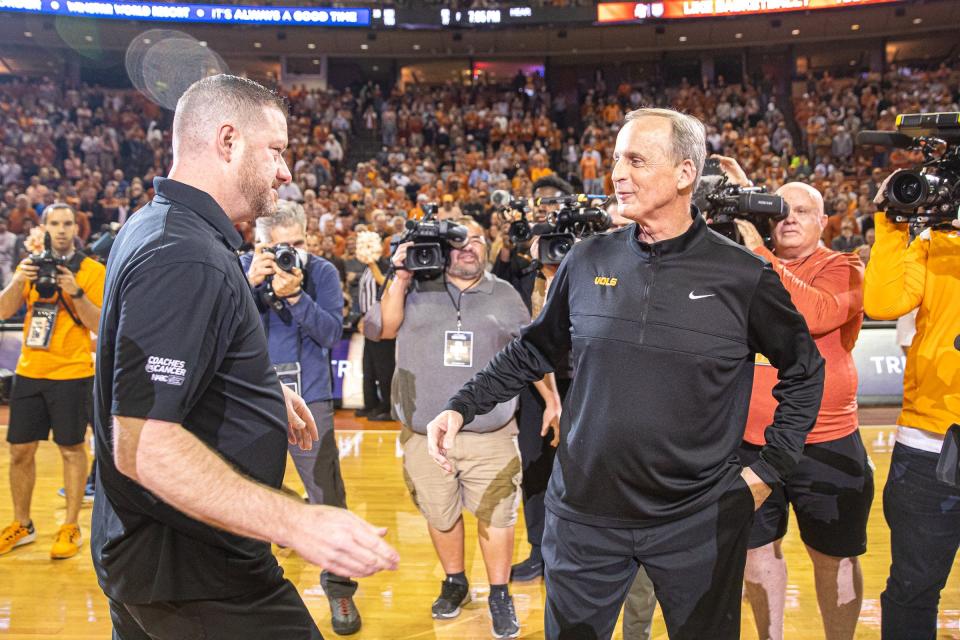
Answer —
664 318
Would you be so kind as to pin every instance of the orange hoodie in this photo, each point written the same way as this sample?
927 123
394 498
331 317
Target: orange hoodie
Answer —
827 289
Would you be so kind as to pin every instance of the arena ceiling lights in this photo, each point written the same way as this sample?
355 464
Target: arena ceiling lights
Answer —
620 12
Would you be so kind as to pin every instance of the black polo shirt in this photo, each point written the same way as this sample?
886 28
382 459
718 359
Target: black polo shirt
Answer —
181 341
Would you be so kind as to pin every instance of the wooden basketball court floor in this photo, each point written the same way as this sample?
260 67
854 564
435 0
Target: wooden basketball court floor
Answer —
40 598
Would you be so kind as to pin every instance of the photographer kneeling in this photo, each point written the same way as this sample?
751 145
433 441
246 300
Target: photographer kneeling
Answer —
300 300
53 386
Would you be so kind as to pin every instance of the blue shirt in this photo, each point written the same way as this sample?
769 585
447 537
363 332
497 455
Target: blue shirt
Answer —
315 322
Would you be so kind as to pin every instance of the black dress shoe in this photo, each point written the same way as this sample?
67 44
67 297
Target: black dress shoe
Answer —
381 417
361 413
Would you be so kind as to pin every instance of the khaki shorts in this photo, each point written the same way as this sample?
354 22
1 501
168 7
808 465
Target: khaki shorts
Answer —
485 480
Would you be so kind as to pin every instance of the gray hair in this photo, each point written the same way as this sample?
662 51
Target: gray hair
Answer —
208 101
689 137
288 214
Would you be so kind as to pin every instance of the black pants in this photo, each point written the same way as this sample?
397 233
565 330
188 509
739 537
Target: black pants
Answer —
379 361
695 563
277 612
924 518
537 457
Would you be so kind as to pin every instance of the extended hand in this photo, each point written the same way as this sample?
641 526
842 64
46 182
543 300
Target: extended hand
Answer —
302 428
440 436
341 542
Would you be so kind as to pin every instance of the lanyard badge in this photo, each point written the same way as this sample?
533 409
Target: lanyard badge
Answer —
42 321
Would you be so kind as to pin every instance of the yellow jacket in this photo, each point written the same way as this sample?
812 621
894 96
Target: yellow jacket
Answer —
925 274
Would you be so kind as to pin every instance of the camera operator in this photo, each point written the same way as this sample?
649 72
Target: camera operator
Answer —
53 385
664 319
514 262
831 489
921 507
446 330
537 451
301 331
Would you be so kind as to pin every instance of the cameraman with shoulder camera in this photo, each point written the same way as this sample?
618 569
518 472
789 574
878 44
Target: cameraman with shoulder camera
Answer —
831 488
664 319
921 500
52 389
300 302
446 330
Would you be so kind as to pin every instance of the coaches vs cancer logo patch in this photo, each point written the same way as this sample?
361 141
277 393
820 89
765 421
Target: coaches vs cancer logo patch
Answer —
166 370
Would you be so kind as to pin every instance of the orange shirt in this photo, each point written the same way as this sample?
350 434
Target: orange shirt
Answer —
827 289
588 168
70 354
537 173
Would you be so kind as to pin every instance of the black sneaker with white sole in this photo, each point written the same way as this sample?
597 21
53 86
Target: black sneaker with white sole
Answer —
453 595
504 616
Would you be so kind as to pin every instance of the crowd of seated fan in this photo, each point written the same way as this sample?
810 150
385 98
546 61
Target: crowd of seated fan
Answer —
99 149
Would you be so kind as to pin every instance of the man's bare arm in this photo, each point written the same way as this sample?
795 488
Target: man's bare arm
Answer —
182 471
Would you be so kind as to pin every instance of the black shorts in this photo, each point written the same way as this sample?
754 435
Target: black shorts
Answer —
37 406
831 491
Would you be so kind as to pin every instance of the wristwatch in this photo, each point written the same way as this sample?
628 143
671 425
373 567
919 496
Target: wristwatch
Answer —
78 294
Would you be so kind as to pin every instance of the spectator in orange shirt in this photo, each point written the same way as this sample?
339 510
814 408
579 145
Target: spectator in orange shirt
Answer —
21 212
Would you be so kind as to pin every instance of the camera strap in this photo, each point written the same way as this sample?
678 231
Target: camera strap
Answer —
60 300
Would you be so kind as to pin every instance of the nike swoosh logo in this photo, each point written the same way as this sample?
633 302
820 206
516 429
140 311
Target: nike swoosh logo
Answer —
693 296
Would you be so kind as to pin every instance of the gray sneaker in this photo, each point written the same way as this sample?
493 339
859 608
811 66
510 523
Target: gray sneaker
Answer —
344 616
504 616
453 595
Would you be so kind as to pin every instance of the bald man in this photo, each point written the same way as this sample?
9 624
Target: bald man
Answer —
190 408
831 490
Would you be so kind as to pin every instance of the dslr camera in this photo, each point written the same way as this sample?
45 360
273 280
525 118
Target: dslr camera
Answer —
47 272
432 240
287 259
927 195
725 202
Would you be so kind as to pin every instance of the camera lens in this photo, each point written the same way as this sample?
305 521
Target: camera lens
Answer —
559 248
424 257
287 260
519 231
908 189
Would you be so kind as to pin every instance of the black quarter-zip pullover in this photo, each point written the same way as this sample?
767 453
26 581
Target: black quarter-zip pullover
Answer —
663 338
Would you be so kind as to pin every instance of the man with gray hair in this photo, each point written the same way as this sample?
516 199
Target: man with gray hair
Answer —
191 420
300 303
664 318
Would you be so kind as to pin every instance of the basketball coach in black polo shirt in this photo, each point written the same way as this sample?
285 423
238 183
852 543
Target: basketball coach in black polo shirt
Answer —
190 407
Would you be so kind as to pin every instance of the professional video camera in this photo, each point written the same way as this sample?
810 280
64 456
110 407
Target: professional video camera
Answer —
287 259
47 272
432 240
574 219
726 202
928 195
519 231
